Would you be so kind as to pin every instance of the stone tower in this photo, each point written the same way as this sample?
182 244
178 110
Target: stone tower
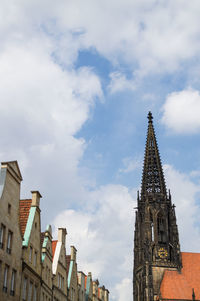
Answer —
156 239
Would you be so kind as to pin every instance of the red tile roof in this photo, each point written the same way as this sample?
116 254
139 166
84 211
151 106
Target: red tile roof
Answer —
24 208
54 243
177 285
68 258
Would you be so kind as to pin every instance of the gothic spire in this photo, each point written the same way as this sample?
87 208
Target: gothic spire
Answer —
153 181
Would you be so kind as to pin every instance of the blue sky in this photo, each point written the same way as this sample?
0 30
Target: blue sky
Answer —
77 81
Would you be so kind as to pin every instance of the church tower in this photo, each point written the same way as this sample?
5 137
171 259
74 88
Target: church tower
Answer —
156 239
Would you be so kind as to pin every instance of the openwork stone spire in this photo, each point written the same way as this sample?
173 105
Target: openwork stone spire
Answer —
153 181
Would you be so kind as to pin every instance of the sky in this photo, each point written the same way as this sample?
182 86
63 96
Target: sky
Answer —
77 79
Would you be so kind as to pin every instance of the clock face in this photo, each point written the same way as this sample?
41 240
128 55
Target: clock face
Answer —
162 253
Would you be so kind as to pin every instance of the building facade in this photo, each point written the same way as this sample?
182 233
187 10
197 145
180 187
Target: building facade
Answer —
10 235
33 267
31 248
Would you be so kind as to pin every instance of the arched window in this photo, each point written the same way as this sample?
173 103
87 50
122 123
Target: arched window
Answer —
152 227
161 227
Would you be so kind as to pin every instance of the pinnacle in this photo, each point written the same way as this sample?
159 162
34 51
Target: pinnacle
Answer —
150 117
153 177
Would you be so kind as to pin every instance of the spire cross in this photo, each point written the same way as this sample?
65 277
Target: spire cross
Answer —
150 117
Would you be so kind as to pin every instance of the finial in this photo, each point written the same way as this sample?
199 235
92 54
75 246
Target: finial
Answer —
150 117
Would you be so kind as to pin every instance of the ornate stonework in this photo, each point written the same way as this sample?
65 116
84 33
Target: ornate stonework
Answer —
156 239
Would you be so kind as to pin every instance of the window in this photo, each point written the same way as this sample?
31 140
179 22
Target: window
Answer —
49 279
30 291
35 293
152 227
30 254
24 289
9 209
9 242
35 259
5 279
0 269
60 281
161 229
61 285
12 287
2 234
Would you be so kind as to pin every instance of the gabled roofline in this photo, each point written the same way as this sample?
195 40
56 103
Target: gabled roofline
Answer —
15 162
56 257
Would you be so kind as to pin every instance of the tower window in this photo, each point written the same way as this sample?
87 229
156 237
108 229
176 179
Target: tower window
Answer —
152 231
161 230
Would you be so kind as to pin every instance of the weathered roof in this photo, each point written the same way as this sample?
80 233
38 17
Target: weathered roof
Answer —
177 285
24 209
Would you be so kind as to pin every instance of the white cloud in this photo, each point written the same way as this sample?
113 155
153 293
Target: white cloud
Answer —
181 111
184 195
45 101
102 233
119 83
42 107
130 164
124 290
149 36
103 229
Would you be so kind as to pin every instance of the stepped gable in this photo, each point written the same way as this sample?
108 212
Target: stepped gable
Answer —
182 285
24 209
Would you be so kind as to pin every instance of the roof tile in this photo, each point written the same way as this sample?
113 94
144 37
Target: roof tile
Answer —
54 243
68 259
177 285
24 208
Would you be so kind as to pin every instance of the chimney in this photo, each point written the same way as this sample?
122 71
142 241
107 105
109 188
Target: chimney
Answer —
62 232
90 275
36 199
73 253
106 295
